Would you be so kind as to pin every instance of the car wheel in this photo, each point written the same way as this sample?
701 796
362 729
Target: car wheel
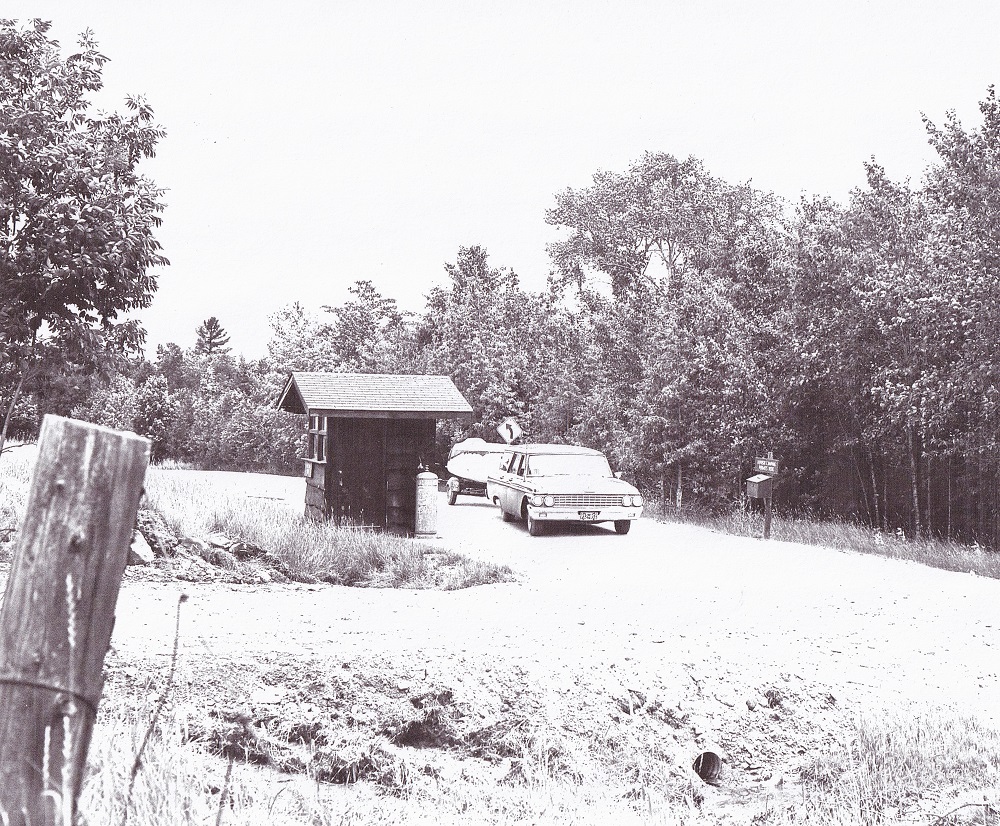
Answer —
622 526
452 496
534 526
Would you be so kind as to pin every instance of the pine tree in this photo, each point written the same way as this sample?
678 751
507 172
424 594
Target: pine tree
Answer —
212 338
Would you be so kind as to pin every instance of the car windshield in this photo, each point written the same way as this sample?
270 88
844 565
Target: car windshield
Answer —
567 464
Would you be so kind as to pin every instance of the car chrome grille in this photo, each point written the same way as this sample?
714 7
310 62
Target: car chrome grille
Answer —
587 500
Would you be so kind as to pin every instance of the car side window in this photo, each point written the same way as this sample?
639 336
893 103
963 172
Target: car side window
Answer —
505 462
518 465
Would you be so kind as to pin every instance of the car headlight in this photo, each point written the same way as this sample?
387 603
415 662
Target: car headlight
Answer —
627 500
636 501
549 501
631 501
537 500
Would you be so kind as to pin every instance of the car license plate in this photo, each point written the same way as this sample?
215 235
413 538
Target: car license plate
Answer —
589 516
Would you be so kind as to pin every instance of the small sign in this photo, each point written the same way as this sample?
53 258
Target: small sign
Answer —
766 465
509 430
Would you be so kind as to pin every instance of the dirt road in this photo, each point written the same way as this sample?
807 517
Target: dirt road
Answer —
669 610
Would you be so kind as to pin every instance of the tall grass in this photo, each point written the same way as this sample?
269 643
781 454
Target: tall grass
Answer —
898 767
831 533
16 465
194 508
178 783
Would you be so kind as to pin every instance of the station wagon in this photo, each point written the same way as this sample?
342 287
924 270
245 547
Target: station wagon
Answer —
541 483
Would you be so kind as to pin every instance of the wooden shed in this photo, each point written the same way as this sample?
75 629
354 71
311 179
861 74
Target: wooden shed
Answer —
367 436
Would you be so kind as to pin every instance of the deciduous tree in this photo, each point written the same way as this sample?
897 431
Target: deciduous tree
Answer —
364 329
477 329
640 228
77 219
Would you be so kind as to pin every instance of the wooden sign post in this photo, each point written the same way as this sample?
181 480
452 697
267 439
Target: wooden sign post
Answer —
58 613
767 518
767 467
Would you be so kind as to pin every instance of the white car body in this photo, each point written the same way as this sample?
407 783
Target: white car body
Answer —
561 483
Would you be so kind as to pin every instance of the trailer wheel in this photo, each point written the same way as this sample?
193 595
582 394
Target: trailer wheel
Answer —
452 496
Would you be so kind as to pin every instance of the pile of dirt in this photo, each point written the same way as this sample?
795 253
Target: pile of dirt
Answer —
400 725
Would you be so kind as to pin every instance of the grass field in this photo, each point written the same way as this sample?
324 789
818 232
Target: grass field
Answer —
830 533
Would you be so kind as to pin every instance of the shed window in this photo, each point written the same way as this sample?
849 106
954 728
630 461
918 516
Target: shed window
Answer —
316 442
317 447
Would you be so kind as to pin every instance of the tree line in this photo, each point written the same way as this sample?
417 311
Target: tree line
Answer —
688 325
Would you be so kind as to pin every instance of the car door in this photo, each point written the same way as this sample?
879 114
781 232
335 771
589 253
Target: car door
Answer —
515 485
498 481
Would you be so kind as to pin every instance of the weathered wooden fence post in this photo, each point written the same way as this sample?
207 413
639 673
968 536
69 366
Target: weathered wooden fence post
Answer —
58 613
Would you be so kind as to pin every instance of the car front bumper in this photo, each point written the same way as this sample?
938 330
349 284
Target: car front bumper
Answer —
578 515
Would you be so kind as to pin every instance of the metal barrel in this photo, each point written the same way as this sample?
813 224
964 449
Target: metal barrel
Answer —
427 502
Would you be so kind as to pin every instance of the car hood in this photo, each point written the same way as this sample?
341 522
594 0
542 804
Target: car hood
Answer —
581 484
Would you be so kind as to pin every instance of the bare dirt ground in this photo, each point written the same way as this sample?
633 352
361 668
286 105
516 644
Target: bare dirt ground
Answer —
671 638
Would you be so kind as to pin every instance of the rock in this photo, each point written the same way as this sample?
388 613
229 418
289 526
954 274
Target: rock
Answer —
630 700
139 553
156 532
272 561
220 558
244 550
219 540
775 699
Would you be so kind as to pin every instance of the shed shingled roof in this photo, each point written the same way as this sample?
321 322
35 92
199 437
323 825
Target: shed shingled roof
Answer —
373 395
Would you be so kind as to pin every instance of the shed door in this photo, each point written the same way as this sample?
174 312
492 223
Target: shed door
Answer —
356 490
373 470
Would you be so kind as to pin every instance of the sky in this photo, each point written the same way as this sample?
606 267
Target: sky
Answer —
310 145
